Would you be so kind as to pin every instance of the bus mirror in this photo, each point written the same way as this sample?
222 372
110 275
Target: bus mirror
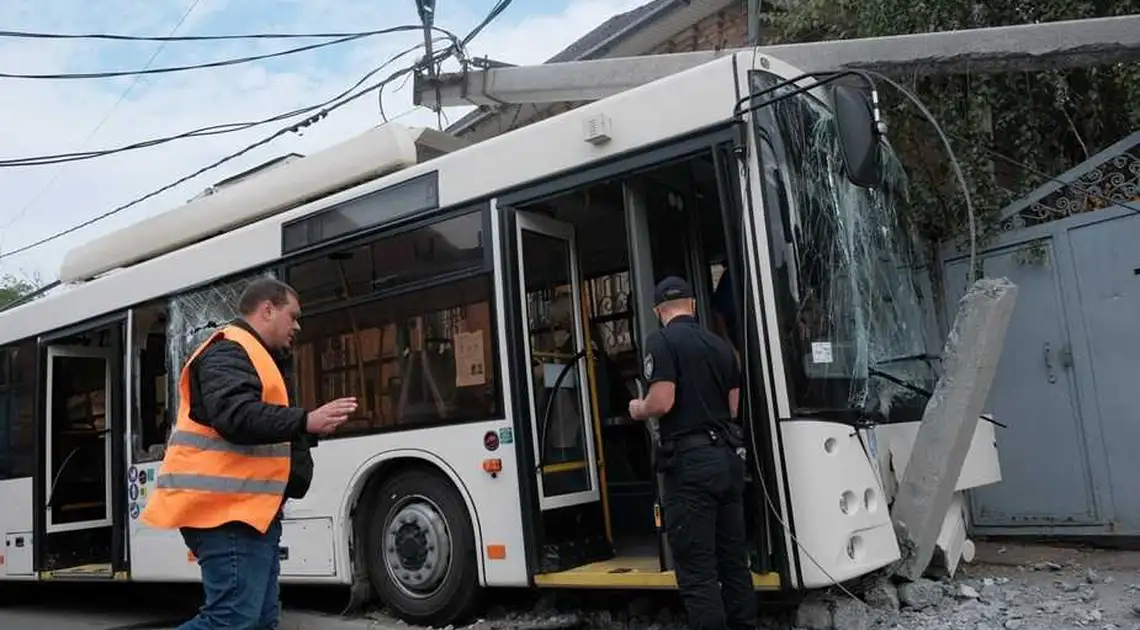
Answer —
857 130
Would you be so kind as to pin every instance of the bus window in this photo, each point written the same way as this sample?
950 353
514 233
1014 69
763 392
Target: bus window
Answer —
404 323
17 410
150 418
164 334
420 357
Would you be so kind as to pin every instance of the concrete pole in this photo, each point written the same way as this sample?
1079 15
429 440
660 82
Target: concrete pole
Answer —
969 361
1024 47
754 22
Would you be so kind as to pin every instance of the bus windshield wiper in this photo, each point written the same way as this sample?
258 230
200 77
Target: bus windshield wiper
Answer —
916 389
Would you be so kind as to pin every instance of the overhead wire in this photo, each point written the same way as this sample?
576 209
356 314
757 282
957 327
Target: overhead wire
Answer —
211 130
491 15
107 116
1123 203
456 49
190 38
185 68
311 120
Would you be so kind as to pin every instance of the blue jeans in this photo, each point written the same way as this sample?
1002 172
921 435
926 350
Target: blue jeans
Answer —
240 569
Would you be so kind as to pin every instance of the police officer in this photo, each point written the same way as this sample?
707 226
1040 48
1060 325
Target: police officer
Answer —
694 389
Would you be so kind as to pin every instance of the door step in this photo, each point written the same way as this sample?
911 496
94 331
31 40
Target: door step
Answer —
631 572
82 572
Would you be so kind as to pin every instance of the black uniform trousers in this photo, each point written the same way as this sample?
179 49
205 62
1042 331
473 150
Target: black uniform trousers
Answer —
704 518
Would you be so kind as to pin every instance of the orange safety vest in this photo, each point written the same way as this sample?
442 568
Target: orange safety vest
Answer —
205 481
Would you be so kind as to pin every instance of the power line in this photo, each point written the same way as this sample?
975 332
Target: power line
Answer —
107 116
188 38
311 120
494 13
988 148
212 130
211 64
457 48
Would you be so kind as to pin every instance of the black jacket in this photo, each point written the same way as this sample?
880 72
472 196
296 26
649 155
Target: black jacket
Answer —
225 395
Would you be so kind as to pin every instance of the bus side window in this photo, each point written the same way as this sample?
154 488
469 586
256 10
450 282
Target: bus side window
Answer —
152 420
17 410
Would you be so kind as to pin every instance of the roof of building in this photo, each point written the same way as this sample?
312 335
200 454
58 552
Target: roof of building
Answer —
594 42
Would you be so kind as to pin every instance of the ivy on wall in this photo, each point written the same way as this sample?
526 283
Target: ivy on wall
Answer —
1049 121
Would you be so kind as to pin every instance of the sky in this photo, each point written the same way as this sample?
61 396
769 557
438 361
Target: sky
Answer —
42 117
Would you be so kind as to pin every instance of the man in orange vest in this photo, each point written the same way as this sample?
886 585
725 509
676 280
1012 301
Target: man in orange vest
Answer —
237 452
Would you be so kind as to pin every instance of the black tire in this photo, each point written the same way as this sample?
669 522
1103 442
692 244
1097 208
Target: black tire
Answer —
430 589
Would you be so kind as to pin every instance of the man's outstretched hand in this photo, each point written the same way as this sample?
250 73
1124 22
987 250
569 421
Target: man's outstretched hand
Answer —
328 417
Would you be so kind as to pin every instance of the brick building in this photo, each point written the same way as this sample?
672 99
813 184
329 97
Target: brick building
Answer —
657 27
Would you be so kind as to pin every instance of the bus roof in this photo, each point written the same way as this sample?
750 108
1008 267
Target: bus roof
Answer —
219 235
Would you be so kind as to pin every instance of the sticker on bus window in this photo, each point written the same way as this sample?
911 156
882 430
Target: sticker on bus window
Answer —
821 352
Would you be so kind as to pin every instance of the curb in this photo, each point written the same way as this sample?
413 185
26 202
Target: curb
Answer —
295 620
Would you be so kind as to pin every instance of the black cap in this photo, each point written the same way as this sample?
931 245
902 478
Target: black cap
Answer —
671 288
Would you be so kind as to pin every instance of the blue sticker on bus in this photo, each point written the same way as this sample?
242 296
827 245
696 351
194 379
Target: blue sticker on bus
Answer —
150 475
506 436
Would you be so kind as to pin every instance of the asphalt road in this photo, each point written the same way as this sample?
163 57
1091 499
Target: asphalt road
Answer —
120 606
93 606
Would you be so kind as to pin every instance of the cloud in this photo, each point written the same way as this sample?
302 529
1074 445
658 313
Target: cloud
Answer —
47 117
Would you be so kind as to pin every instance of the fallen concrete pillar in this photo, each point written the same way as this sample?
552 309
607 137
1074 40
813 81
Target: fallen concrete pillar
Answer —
1017 48
969 361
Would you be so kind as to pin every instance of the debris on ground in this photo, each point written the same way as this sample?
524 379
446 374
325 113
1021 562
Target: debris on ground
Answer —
1062 591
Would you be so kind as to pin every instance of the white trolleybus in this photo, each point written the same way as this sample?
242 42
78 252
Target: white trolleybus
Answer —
487 304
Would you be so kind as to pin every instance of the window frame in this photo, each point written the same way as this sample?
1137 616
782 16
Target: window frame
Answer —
311 223
17 383
483 270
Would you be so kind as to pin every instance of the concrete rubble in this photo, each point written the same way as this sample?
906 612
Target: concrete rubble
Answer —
1014 588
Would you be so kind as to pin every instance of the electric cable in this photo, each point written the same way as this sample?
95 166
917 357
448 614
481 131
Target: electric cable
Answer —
1126 204
107 116
456 49
970 214
311 120
224 128
207 65
495 12
189 38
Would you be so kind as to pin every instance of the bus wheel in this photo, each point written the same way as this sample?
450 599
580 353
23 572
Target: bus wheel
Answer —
421 557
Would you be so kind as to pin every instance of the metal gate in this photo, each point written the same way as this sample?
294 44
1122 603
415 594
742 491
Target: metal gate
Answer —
1068 382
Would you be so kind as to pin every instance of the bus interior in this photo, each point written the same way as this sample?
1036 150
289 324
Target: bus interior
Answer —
601 530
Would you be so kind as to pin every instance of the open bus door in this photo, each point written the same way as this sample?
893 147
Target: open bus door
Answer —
82 452
563 411
645 322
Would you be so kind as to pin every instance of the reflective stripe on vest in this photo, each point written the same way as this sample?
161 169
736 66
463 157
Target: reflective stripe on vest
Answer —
206 481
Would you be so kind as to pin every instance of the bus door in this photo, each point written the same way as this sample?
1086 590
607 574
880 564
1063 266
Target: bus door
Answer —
562 411
78 462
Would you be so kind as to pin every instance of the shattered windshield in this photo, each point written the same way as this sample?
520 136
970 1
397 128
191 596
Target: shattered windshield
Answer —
851 322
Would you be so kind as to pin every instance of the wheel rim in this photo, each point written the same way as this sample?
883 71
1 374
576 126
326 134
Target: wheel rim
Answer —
417 546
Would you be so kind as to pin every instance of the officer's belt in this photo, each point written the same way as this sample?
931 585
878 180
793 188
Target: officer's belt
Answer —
696 440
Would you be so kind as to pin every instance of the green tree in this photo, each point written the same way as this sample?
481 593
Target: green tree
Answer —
1047 121
13 288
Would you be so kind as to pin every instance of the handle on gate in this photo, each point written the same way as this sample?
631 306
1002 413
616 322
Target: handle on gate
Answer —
1050 372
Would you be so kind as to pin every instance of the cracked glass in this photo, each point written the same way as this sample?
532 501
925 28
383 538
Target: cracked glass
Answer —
844 260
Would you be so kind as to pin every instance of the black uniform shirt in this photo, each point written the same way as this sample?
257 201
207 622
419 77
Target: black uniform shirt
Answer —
702 366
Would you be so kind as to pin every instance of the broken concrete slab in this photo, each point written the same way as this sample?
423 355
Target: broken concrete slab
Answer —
969 362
